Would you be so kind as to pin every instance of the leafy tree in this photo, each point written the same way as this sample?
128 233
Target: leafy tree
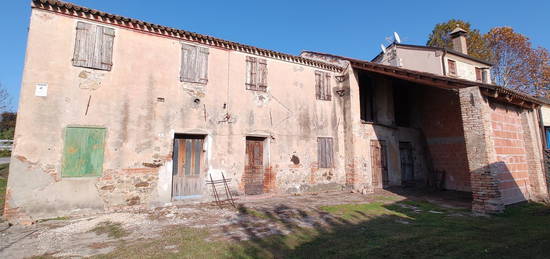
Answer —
517 65
7 125
440 38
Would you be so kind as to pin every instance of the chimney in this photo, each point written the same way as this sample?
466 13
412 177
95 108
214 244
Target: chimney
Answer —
458 35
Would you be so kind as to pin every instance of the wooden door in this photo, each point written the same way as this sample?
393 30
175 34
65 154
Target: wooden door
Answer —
407 163
254 168
188 173
379 163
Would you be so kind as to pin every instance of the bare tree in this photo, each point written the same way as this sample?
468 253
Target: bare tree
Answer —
5 99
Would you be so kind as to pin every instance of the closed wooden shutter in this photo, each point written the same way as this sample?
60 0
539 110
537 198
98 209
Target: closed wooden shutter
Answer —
81 55
188 63
328 94
318 78
325 152
93 46
251 73
107 37
262 75
202 65
83 152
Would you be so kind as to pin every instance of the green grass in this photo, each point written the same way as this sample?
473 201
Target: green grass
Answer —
406 229
4 170
112 229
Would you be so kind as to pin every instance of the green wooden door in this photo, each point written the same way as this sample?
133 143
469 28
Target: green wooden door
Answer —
83 152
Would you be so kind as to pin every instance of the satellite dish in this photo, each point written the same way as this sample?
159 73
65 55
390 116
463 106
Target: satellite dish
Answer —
396 36
383 48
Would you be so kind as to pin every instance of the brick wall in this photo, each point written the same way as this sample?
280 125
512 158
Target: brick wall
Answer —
512 169
442 126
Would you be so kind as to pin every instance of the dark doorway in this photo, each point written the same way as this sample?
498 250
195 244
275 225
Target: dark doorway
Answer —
407 163
379 163
188 171
254 168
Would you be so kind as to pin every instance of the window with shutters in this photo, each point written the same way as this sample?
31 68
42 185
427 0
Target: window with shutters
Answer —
322 86
452 67
256 74
93 46
324 152
478 74
194 64
83 152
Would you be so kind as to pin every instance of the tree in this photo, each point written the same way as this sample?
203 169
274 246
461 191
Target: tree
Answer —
440 38
4 99
516 64
7 125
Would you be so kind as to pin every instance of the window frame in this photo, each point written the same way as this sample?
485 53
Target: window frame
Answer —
479 74
324 159
102 51
323 90
453 71
256 74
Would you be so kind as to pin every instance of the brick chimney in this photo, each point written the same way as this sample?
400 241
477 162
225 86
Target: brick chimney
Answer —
458 35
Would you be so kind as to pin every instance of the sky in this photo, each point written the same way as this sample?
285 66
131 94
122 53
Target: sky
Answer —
345 27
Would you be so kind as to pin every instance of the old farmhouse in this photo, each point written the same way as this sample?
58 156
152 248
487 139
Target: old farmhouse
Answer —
117 112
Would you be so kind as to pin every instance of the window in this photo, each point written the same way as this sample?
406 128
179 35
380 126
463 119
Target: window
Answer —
484 77
194 64
324 152
479 74
93 46
547 135
322 86
452 67
367 98
83 152
256 74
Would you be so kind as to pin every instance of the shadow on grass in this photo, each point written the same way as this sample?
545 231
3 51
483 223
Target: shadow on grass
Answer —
396 230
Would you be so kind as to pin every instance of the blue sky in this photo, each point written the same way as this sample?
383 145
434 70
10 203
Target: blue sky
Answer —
348 28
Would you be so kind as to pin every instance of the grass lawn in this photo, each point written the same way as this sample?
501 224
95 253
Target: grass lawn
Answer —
406 229
3 182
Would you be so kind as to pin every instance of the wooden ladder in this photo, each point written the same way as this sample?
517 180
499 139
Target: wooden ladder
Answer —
228 196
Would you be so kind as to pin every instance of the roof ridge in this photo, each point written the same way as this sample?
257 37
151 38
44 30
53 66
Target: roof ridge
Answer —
71 9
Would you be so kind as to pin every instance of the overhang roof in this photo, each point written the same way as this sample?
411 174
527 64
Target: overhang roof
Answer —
69 9
491 90
454 52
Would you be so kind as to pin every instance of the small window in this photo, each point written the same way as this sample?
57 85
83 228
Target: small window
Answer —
324 152
322 86
93 46
194 64
256 74
479 76
547 135
452 67
83 152
484 77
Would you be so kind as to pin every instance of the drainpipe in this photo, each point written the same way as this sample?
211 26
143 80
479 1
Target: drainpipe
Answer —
443 62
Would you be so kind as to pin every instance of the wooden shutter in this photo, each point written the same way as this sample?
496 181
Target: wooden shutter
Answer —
328 95
251 73
452 67
188 63
81 55
318 78
262 74
107 36
325 152
202 65
93 46
83 152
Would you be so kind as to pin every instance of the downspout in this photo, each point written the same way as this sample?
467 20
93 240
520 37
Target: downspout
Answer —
443 62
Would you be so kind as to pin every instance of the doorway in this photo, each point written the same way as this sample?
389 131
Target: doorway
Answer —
254 168
407 163
188 170
379 163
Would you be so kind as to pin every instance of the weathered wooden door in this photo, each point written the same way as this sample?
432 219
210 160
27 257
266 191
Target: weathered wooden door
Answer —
379 163
407 163
188 173
254 168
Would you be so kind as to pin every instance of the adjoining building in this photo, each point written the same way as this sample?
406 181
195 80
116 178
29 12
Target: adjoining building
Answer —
117 112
